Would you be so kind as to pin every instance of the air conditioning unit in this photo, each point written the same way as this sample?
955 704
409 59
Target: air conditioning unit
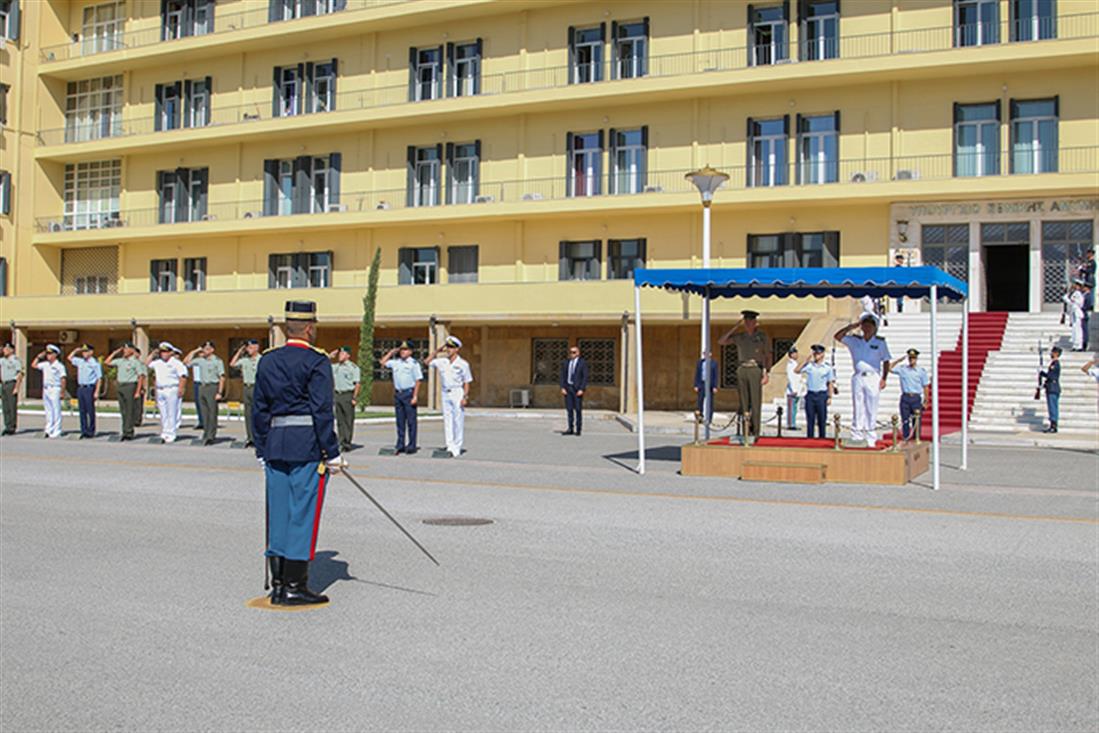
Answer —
251 214
907 174
654 189
56 226
520 398
382 206
532 197
68 337
861 177
483 199
209 217
332 206
3 43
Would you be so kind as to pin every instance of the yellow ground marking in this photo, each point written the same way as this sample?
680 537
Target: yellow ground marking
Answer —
930 511
264 604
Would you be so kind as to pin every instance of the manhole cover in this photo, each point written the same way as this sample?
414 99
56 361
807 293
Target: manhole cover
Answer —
457 521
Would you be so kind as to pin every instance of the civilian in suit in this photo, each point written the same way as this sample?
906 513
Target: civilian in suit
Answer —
700 387
574 380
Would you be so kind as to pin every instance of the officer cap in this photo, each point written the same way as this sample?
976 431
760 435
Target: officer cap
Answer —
301 310
749 314
868 316
345 349
1080 281
454 341
817 348
913 352
793 350
166 346
54 348
87 347
207 343
406 345
251 342
8 345
1055 350
129 345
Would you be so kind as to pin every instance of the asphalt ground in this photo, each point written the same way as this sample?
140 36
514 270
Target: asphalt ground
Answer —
596 600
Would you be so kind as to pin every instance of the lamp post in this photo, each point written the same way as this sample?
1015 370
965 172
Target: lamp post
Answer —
707 180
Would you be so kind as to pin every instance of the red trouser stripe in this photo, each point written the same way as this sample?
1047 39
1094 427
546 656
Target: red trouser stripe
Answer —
317 515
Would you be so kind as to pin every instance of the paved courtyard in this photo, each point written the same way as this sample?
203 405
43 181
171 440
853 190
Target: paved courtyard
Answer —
597 599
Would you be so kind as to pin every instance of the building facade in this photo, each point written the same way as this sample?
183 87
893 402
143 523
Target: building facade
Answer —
178 168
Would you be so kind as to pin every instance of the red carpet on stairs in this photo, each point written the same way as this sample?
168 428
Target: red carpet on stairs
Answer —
986 333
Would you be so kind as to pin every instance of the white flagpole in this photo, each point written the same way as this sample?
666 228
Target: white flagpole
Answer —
934 388
640 384
965 384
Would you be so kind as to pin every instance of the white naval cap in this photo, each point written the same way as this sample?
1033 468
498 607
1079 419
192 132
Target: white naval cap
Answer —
54 348
166 346
454 341
868 316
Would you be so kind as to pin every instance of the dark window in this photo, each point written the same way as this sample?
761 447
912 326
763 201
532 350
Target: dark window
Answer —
464 61
1034 138
631 49
162 276
977 139
546 358
196 102
820 29
4 104
381 348
629 160
802 249
289 92
5 193
1065 245
818 148
183 194
289 9
3 276
418 265
946 246
462 264
424 175
299 270
580 260
976 22
1033 20
600 355
767 156
304 185
194 273
9 19
585 161
322 92
727 369
623 257
169 106
768 34
425 70
182 18
586 54
463 163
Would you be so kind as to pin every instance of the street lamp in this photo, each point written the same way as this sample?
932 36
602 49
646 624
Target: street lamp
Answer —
707 180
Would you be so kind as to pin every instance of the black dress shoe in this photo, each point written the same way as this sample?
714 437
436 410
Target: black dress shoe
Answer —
398 451
296 585
412 451
568 432
208 442
249 444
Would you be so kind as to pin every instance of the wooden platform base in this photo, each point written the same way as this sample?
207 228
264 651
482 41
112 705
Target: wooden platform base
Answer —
807 465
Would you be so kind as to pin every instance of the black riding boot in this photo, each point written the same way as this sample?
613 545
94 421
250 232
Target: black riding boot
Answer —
296 590
278 583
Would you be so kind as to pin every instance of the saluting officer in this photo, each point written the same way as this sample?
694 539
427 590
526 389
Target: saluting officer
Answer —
210 377
455 377
870 356
346 378
820 384
407 376
130 374
297 446
753 348
11 378
54 378
247 360
915 391
171 385
89 376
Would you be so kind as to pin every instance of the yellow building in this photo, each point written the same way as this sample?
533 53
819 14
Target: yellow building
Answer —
179 168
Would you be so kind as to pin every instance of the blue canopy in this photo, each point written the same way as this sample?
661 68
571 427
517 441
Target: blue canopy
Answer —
801 282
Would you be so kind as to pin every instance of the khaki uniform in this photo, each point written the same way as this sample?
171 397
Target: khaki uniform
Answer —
248 366
129 371
345 376
751 351
10 369
211 370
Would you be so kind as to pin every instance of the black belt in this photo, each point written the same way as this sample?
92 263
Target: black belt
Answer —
912 394
345 391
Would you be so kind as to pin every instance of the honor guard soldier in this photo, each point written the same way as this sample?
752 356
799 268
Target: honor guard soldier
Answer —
171 383
11 378
346 377
820 383
130 374
1050 379
54 378
296 445
209 372
700 387
454 379
89 377
407 376
753 349
871 359
574 380
247 360
915 391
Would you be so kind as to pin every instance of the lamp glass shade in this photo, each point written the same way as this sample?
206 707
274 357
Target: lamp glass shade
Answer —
707 181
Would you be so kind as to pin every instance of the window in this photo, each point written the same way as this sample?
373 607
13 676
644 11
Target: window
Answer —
767 164
9 23
183 194
162 276
182 18
3 277
299 270
289 9
728 366
462 264
820 30
623 257
288 93
1064 245
629 158
102 28
309 184
5 193
194 273
977 139
600 355
196 102
946 246
464 60
381 348
631 49
818 148
425 73
89 270
586 54
4 104
323 92
768 34
169 106
794 249
463 164
1033 20
93 109
976 22
91 285
418 265
580 260
546 358
1034 145
92 193
304 88
424 175
585 161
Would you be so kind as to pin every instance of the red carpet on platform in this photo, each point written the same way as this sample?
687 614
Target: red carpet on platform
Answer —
986 333
794 442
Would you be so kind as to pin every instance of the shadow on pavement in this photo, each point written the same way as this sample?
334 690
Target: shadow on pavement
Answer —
670 453
326 570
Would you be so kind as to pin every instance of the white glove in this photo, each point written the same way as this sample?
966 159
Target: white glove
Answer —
262 463
335 465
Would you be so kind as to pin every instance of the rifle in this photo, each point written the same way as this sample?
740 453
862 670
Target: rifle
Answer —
1038 389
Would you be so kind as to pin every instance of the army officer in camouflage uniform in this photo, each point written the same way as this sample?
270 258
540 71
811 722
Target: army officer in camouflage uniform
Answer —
247 360
345 378
753 348
130 374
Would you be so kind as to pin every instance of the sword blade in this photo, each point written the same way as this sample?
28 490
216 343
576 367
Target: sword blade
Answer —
388 516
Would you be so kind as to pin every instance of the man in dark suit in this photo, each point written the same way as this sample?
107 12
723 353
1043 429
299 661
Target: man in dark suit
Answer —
574 380
700 387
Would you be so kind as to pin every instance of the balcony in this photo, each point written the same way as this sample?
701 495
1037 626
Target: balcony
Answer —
501 90
848 181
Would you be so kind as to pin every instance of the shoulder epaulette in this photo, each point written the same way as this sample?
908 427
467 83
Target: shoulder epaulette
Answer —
320 351
269 350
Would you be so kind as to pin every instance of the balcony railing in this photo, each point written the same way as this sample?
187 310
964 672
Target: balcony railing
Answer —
534 192
153 35
698 63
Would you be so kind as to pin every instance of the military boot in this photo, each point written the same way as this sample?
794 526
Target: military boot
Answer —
278 583
296 585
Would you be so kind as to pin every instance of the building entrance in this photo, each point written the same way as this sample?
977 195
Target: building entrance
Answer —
1007 277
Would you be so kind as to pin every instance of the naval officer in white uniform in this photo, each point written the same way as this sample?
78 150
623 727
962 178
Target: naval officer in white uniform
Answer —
54 376
870 356
171 383
454 379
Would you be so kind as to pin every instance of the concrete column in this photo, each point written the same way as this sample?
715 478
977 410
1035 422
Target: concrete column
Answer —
630 384
976 277
277 335
19 341
624 363
140 338
436 336
1035 266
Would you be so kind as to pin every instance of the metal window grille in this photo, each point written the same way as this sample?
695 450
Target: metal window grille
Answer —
779 348
89 270
546 358
381 346
1064 244
729 362
600 355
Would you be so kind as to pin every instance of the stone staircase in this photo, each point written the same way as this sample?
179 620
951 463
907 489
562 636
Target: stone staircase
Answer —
1005 397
